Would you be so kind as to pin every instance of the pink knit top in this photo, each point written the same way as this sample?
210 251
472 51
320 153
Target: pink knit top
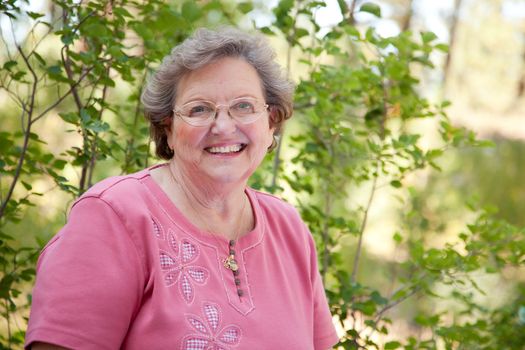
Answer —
129 271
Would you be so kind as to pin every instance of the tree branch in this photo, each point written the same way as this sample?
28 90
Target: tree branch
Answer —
131 141
27 133
355 268
61 98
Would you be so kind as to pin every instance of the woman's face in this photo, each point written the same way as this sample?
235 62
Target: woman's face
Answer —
225 151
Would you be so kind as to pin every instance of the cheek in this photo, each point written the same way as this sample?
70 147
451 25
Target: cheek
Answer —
184 136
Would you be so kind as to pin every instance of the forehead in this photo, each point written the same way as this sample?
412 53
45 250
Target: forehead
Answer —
222 80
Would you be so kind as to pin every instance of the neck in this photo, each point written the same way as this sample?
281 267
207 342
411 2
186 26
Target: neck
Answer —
219 210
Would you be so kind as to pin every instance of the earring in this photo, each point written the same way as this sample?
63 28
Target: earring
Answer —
275 141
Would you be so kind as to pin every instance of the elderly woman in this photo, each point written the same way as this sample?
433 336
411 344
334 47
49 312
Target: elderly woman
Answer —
184 255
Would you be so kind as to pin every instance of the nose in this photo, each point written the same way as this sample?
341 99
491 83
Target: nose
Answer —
223 122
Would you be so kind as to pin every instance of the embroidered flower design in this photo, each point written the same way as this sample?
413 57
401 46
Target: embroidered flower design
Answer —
157 228
178 267
210 336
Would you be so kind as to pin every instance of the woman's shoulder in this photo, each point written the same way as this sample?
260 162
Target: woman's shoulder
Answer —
272 201
122 193
116 184
275 207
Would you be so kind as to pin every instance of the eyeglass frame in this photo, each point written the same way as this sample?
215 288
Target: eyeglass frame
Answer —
176 111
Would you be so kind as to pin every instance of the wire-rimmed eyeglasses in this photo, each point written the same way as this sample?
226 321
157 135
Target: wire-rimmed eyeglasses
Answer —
201 113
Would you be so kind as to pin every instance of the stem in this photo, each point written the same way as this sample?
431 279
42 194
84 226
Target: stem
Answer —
7 318
27 133
452 36
325 235
93 152
131 141
277 156
351 18
61 98
362 228
67 66
387 307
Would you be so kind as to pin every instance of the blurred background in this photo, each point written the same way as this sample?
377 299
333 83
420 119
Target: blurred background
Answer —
482 74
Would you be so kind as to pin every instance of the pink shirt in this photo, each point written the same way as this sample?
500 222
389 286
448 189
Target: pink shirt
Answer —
129 271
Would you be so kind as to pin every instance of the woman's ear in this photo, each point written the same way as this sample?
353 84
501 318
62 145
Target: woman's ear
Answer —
273 114
168 129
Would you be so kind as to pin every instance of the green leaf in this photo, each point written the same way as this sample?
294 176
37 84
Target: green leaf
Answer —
371 8
245 7
97 126
34 15
434 153
59 164
121 11
9 64
39 58
428 37
191 11
26 185
67 38
396 183
18 75
397 237
442 47
353 32
71 117
54 70
392 345
267 30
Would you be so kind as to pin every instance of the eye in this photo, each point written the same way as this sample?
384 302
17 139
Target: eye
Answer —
244 107
196 110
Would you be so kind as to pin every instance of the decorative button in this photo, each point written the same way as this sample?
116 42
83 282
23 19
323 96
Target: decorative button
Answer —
240 292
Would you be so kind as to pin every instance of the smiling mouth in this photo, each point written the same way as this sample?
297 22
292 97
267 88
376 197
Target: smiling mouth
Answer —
226 149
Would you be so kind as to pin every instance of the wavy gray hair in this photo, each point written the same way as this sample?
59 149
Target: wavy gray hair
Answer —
206 46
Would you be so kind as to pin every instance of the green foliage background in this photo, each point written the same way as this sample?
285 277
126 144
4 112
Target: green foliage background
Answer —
71 115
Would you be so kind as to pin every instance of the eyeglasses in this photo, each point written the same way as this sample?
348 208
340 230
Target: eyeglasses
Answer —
201 113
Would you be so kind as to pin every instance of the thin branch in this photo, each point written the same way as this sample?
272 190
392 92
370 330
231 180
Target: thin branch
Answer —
27 133
351 10
387 307
452 35
131 141
61 98
94 144
325 232
67 66
8 320
15 98
277 155
363 226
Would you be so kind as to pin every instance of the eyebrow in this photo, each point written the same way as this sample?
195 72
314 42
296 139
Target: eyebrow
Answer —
202 99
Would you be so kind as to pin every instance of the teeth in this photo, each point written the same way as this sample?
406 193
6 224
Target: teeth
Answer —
225 149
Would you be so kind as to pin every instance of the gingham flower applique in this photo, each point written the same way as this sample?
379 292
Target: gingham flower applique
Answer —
209 335
178 266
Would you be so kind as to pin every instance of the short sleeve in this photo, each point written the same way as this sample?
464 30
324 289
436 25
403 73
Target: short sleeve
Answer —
325 336
89 281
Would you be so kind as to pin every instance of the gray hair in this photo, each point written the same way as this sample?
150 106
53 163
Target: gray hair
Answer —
204 47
